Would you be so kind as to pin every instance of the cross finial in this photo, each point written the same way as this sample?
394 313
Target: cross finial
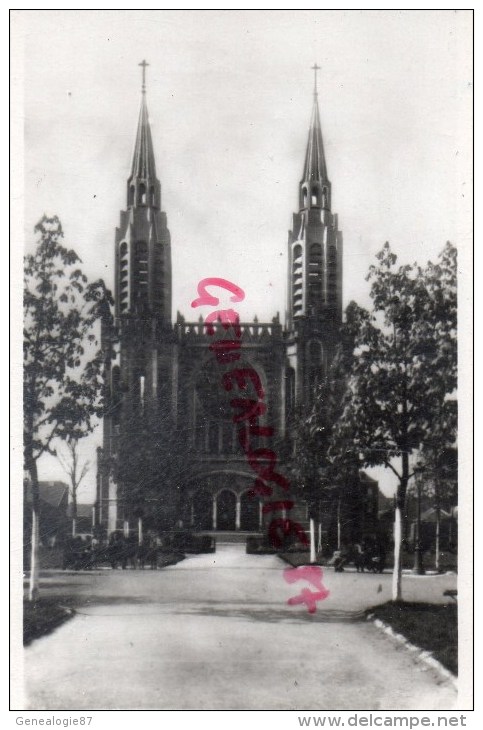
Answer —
315 68
144 64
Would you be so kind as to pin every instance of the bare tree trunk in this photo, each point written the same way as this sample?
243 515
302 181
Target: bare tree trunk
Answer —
76 473
312 540
74 510
34 555
140 530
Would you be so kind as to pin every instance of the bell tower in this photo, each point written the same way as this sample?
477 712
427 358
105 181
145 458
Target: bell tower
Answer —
143 246
142 367
314 312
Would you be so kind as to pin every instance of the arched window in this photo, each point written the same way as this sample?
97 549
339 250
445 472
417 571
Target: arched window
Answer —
290 393
116 391
152 195
213 437
142 194
315 353
314 196
158 271
315 361
304 196
131 195
226 508
142 381
325 198
115 378
227 437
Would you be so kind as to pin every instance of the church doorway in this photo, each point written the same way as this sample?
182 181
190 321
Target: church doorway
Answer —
249 513
202 510
226 511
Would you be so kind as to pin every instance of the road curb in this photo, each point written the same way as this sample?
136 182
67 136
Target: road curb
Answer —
421 655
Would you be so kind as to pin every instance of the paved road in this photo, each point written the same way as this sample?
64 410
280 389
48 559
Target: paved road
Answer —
215 632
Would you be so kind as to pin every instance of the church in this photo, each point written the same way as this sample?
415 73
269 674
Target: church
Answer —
171 447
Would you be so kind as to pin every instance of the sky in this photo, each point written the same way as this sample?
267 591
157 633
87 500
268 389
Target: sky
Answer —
229 96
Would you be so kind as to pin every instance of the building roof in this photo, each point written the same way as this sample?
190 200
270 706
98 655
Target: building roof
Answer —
53 493
83 510
367 479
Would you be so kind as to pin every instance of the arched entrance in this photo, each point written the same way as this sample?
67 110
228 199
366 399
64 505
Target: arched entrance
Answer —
226 510
249 513
202 510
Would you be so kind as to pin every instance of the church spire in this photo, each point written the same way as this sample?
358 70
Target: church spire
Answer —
315 256
315 169
315 184
143 165
143 249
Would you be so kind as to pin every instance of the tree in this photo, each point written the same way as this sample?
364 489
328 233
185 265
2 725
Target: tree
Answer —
76 471
403 371
321 472
63 363
309 459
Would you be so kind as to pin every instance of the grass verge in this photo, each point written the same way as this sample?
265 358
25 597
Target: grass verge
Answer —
431 626
41 618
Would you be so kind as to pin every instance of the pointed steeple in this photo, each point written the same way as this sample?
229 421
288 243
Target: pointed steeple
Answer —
143 185
143 164
143 242
315 184
315 257
315 169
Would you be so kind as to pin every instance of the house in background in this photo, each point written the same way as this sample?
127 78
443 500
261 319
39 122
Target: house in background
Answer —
54 521
448 529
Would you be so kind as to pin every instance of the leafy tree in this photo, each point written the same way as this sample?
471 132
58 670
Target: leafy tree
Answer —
309 459
322 472
403 371
76 470
63 363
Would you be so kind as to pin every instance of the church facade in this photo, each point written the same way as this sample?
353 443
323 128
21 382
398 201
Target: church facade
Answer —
164 383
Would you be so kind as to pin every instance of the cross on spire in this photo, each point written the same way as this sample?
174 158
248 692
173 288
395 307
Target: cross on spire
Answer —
144 64
315 68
